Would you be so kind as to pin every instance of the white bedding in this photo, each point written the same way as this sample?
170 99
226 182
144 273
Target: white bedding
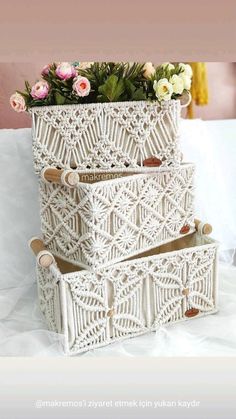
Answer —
212 146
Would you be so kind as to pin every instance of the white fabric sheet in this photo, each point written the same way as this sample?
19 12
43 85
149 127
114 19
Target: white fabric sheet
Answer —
212 146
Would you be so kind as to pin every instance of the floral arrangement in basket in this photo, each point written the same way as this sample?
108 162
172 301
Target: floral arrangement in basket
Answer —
77 83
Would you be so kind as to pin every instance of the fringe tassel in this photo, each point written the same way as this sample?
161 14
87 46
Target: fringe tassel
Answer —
199 88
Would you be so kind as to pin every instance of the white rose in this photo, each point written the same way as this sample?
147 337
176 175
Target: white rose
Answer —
178 84
187 69
148 70
84 65
186 80
163 89
169 66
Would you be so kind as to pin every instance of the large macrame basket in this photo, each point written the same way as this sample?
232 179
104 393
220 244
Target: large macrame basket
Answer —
172 283
106 135
95 224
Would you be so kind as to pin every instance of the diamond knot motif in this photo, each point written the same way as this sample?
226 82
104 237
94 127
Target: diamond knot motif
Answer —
103 222
82 136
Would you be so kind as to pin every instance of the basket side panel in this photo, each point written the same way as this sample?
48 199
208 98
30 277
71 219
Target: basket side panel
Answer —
87 307
105 307
184 284
49 298
128 314
134 297
95 225
102 136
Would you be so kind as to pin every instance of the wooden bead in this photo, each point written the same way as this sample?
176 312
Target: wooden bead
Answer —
185 291
110 312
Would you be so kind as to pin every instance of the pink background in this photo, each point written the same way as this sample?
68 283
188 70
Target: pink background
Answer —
221 78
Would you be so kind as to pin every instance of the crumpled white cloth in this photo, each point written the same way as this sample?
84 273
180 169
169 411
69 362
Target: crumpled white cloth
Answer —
211 145
22 328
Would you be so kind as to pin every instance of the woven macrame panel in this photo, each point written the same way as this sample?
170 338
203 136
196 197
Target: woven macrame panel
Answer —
104 136
182 282
97 224
103 308
86 316
49 298
134 297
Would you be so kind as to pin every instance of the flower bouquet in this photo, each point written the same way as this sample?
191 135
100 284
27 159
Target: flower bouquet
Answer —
105 115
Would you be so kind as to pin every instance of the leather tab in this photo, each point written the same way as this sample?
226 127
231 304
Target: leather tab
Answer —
152 162
192 312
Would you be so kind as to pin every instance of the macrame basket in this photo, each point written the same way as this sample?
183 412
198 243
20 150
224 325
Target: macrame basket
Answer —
96 224
171 283
106 135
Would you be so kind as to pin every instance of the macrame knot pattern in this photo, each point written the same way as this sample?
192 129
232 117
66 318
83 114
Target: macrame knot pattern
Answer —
108 135
119 218
130 298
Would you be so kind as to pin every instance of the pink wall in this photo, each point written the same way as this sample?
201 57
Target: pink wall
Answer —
222 92
221 78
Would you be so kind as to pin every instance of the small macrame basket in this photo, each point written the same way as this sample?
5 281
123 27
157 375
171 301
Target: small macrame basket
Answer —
95 223
171 283
106 135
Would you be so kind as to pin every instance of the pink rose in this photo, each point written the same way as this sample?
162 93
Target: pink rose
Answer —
81 86
40 90
17 102
65 71
45 70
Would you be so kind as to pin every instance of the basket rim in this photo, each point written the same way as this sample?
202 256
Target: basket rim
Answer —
138 103
143 172
208 241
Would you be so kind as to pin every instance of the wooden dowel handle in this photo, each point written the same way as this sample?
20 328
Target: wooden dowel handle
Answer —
62 177
203 228
44 258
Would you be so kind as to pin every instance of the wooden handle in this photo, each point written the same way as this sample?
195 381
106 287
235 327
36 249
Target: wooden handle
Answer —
44 258
185 100
62 177
203 228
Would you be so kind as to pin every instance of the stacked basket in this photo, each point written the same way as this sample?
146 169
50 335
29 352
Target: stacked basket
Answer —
121 252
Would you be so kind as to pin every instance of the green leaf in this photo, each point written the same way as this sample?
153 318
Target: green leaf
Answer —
24 94
101 99
27 86
134 93
113 88
60 100
139 94
129 87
